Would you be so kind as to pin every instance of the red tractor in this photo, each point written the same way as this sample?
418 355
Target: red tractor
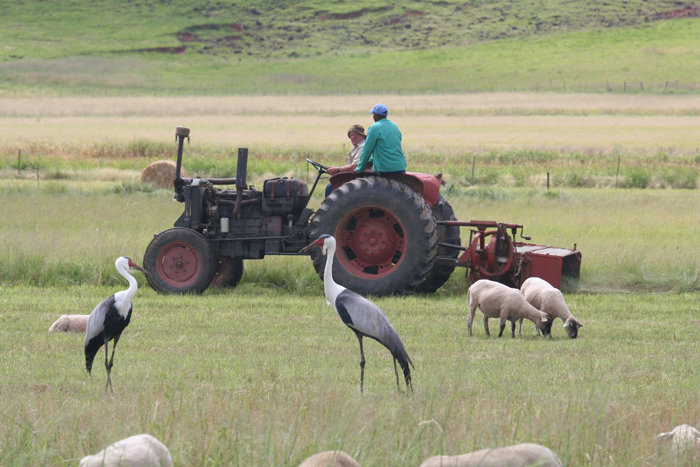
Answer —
395 234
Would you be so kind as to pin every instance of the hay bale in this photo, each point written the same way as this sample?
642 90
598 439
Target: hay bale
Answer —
160 174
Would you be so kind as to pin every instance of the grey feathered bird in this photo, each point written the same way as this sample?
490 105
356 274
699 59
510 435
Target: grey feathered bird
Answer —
110 318
359 314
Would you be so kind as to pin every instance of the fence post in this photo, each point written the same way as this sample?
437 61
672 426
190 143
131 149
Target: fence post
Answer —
473 163
19 160
547 181
618 169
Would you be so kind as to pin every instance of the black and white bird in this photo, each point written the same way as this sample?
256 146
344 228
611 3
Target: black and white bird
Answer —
359 314
110 318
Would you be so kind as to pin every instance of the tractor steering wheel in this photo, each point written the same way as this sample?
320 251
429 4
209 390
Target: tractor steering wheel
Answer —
317 166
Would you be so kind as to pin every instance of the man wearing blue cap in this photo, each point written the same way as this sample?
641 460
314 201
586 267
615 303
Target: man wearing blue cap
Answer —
383 145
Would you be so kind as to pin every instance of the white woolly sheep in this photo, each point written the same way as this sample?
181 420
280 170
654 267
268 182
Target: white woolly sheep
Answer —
500 301
519 455
135 451
70 323
684 439
330 459
540 294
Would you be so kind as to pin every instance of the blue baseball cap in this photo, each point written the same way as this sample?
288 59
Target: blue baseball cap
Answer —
379 109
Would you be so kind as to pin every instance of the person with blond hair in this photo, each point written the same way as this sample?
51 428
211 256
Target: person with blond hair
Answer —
357 136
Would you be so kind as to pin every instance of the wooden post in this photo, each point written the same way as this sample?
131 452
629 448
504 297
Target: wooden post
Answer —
19 160
618 170
473 163
547 181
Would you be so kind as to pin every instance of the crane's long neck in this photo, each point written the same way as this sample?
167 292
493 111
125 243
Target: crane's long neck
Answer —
123 299
329 286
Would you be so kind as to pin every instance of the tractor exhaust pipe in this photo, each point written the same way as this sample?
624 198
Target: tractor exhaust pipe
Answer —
241 172
181 133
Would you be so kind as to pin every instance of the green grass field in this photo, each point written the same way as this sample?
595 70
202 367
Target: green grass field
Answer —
500 96
269 376
313 47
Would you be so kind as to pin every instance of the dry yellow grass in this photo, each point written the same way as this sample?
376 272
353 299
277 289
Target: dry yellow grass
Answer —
256 105
429 123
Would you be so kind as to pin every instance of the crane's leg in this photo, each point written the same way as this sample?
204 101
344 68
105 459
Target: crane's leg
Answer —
397 375
111 361
107 366
362 362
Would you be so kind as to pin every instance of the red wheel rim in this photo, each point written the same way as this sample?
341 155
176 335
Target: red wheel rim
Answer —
179 264
371 242
222 271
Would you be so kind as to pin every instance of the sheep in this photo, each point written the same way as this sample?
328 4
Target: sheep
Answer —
500 301
135 451
540 294
685 440
330 459
70 323
519 455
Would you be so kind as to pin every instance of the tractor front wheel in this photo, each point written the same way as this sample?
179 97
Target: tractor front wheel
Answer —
385 233
179 261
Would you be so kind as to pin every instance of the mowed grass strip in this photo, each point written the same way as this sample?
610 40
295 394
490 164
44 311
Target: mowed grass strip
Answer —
630 239
267 377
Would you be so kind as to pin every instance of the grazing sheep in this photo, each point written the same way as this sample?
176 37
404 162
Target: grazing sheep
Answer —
135 451
330 459
500 301
540 294
685 440
70 323
519 455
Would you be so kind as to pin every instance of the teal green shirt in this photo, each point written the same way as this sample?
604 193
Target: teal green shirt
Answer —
383 147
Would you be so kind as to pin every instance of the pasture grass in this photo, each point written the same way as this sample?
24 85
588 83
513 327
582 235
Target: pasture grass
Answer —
263 377
631 239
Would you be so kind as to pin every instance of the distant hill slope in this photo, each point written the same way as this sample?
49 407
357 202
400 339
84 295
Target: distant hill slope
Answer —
144 45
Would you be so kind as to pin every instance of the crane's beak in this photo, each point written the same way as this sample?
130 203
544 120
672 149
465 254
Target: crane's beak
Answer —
307 248
318 243
139 268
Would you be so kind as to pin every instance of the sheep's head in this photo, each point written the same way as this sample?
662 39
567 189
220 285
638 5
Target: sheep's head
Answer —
546 324
571 327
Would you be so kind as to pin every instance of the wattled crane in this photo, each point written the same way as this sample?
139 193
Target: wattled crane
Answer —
359 314
110 318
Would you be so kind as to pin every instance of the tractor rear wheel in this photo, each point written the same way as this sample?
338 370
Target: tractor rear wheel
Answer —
385 232
179 261
442 211
228 273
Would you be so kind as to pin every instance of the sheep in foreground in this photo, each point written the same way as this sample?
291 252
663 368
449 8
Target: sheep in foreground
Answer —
135 451
500 301
519 455
685 440
330 459
70 323
540 294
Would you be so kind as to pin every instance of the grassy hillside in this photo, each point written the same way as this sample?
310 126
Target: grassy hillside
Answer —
311 46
